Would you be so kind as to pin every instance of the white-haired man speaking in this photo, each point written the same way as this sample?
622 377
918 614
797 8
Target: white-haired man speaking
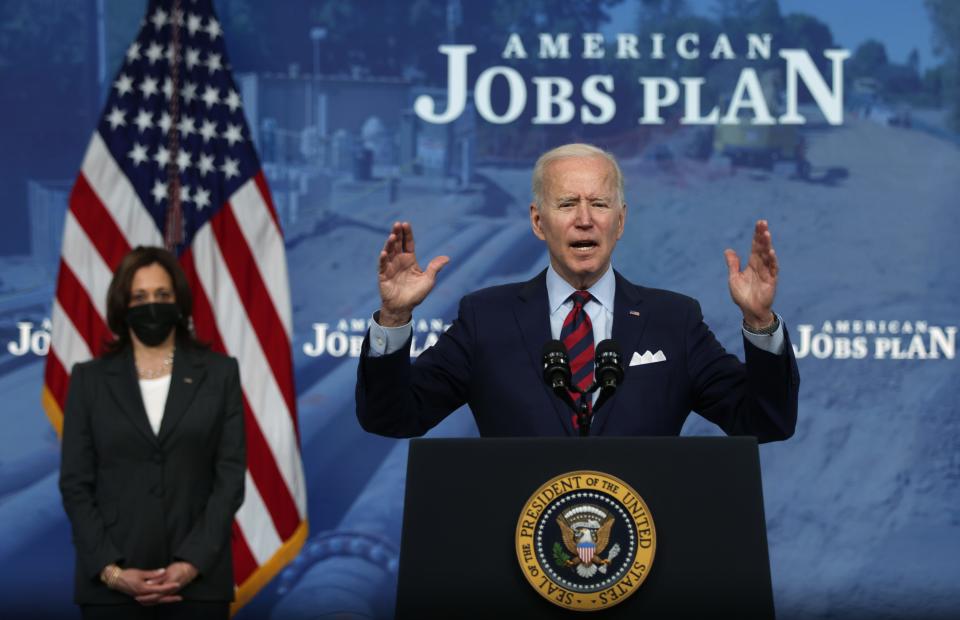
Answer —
491 357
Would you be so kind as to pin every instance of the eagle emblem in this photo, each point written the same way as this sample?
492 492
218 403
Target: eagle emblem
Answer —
585 530
585 540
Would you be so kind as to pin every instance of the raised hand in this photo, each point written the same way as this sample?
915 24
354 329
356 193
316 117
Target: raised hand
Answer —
403 285
754 288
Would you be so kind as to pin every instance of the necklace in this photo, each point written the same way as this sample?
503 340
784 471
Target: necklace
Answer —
155 373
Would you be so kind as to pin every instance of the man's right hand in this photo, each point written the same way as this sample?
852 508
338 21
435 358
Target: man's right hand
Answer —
403 285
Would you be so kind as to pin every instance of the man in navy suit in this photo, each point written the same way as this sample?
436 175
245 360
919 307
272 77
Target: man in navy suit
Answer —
491 356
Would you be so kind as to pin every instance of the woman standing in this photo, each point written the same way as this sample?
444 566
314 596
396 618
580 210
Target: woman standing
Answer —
153 459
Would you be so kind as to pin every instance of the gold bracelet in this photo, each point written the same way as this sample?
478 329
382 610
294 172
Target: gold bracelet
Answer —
114 574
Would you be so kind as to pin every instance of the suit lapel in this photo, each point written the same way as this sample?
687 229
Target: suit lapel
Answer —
188 374
122 383
532 312
629 321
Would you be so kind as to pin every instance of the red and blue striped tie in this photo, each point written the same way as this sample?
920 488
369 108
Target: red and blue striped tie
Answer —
577 336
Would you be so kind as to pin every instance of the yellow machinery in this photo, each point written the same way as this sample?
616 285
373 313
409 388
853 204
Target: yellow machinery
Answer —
760 146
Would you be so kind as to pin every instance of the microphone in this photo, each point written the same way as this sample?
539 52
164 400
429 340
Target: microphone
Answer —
556 372
556 365
608 365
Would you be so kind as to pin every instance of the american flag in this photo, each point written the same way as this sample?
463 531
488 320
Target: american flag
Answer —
171 163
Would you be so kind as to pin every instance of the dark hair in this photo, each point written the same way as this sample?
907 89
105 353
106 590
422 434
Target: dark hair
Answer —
118 296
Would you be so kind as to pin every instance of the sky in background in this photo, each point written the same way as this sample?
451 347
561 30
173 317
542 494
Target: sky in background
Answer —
900 25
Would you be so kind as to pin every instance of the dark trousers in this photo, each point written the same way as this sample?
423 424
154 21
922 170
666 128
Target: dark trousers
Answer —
184 610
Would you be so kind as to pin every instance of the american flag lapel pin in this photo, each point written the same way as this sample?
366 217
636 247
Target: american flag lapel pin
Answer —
634 313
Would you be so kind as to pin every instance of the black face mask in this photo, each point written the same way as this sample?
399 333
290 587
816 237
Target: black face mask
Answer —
152 322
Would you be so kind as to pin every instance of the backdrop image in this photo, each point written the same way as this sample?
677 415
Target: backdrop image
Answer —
305 128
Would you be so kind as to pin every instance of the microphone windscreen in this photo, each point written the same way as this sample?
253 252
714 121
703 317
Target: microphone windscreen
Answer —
608 346
556 364
554 346
609 363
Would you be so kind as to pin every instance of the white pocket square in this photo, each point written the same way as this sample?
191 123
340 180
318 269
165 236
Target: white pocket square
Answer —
647 358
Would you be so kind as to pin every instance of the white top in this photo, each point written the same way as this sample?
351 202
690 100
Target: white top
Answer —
154 392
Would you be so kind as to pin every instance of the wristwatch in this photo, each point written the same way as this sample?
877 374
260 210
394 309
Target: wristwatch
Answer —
764 331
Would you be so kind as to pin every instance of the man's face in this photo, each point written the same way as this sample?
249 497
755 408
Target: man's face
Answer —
581 218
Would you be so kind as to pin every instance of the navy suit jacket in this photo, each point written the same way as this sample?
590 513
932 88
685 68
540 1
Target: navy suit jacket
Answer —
490 358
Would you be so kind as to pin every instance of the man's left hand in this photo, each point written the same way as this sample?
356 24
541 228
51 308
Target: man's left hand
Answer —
753 288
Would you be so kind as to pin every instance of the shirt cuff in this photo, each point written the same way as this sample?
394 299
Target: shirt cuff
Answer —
772 343
387 340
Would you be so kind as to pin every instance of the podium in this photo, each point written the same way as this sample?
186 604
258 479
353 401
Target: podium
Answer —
463 518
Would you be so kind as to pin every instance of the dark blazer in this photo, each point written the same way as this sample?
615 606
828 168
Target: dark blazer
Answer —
490 358
143 500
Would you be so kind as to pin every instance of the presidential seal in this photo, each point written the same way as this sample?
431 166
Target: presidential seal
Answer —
585 540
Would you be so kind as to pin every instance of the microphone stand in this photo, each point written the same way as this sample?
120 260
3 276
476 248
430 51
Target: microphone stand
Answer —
581 409
583 415
557 375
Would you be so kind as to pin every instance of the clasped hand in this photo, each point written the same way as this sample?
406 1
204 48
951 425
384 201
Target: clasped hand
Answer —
153 587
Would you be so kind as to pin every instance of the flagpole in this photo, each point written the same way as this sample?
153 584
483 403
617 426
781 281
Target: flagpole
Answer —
173 231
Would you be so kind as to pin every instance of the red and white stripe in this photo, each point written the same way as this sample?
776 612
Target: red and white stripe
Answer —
585 552
237 268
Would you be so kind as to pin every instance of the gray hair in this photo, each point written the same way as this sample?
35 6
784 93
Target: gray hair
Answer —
568 151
